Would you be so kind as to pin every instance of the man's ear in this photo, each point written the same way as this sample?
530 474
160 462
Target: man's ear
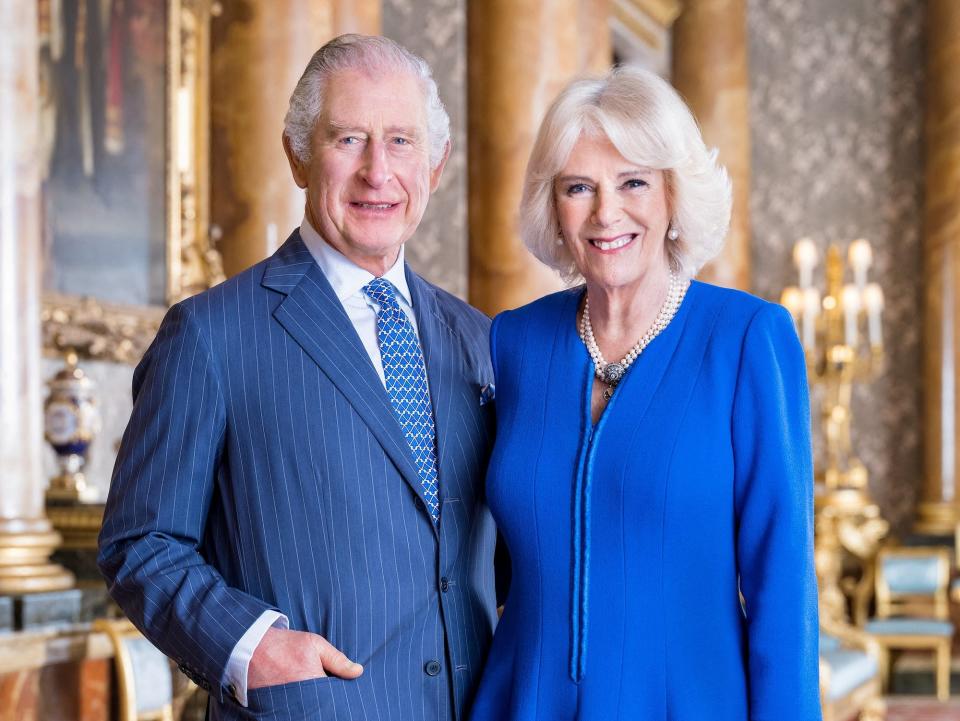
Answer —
438 171
297 168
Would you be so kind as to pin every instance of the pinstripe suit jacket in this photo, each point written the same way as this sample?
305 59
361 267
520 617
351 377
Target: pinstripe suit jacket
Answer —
263 467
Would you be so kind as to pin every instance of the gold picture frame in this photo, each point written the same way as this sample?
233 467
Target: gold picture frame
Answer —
100 330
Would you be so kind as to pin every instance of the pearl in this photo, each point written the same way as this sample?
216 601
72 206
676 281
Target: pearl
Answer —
612 373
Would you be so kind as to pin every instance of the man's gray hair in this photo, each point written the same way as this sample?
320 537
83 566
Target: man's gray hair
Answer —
369 53
650 125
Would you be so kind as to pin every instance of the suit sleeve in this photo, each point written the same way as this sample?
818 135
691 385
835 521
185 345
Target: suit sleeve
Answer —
774 507
150 544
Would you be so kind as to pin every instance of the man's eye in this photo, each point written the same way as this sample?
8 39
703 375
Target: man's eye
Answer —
636 183
350 140
401 141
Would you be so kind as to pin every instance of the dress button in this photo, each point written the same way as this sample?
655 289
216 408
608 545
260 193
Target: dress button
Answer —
432 668
444 584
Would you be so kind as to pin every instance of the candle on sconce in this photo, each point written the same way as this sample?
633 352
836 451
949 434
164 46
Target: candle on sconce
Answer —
792 300
860 257
805 257
873 303
808 318
850 303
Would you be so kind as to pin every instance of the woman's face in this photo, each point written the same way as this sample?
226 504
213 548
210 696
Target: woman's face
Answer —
613 214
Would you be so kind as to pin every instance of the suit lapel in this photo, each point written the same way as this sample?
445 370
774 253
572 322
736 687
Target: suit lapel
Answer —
314 317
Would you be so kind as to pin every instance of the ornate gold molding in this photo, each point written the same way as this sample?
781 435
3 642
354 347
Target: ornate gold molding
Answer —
100 331
193 264
78 524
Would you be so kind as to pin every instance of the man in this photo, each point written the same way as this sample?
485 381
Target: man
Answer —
296 515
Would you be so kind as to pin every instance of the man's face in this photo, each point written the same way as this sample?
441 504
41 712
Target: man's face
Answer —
369 177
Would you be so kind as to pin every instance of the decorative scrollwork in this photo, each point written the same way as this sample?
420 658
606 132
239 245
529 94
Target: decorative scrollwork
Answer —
98 330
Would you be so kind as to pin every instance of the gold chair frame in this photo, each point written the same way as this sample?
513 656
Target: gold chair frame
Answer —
865 700
119 631
890 604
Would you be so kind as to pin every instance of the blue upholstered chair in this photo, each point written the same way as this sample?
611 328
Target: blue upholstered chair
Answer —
913 608
849 674
144 674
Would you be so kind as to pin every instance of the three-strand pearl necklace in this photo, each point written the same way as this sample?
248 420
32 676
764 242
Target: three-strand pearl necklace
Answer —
612 373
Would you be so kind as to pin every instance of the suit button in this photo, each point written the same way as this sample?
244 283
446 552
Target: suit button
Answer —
444 584
432 668
419 502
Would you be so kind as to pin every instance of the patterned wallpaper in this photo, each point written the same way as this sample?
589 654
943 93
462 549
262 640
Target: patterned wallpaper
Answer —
837 114
437 31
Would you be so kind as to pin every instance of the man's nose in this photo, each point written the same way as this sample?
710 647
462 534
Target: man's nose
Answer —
376 164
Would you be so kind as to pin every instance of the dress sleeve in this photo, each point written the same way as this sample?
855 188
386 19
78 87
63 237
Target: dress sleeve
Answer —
774 506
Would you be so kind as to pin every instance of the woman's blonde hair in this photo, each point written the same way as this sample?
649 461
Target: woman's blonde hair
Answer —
650 125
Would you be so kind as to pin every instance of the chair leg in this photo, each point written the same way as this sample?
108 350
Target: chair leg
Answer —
884 663
943 672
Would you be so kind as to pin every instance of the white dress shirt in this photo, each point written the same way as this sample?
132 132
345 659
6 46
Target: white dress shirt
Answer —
348 281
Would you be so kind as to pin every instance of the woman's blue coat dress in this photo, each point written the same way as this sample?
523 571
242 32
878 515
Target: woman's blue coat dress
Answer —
631 539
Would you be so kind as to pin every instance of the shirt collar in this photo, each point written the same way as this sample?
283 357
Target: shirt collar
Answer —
345 276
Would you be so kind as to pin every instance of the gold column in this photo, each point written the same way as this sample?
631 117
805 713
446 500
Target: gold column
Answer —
710 71
937 511
520 54
259 50
26 536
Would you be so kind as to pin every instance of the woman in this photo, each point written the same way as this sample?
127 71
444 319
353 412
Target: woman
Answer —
639 497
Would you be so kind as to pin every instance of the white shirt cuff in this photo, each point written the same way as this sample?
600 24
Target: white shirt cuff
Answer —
239 662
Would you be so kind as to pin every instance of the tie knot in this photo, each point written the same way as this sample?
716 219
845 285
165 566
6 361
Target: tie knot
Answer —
381 292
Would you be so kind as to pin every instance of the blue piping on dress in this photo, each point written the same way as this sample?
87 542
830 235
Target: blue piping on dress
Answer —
580 591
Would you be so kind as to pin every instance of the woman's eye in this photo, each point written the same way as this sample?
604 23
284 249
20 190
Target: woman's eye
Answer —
577 188
635 183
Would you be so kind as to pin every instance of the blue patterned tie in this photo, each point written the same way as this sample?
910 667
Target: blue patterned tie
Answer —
406 380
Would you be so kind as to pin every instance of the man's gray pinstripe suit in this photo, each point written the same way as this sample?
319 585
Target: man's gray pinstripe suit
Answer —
263 467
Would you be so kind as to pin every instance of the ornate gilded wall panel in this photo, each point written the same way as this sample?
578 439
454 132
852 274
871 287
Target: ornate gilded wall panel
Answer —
837 113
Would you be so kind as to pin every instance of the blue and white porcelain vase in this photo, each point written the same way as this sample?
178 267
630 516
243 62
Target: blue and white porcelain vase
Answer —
71 421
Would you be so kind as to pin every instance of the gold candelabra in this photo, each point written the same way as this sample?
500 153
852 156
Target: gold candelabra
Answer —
841 332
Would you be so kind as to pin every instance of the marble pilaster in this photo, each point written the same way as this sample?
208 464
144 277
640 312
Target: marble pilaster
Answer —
26 536
710 70
259 49
520 55
937 510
